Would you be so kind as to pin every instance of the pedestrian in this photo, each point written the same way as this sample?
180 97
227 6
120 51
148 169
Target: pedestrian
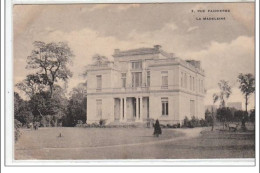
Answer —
157 129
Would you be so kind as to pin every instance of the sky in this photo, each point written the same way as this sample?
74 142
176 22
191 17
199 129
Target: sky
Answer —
224 47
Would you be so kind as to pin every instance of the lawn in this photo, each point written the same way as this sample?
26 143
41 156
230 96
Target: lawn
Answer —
132 143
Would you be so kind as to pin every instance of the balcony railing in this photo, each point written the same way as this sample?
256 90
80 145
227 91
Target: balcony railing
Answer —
131 89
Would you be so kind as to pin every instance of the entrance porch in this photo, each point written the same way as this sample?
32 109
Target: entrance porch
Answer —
131 109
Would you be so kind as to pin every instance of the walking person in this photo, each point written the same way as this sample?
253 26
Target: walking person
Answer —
157 129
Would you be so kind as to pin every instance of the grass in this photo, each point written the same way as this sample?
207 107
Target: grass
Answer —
133 143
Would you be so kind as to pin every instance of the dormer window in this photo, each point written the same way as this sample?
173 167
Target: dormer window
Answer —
137 65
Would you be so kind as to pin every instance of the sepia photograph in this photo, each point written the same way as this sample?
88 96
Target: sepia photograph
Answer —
134 81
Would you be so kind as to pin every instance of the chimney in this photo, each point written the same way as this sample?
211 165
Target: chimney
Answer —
116 51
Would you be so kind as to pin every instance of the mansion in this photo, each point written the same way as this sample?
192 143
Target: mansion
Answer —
142 84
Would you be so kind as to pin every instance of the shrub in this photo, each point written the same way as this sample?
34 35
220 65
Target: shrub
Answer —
17 125
173 125
208 120
186 122
239 115
102 122
79 123
94 125
252 116
203 123
194 122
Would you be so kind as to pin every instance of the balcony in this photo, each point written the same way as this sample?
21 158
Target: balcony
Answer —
132 89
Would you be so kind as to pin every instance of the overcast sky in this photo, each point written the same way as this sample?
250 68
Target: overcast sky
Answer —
225 48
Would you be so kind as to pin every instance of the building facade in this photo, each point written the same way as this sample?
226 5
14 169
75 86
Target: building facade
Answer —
143 84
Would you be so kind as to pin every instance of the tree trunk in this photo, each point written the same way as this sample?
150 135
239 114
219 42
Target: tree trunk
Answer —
51 90
243 125
212 119
246 103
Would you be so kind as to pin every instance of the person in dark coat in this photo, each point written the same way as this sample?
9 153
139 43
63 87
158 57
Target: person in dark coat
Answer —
157 129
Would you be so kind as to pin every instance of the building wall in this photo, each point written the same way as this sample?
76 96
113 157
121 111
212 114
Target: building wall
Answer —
179 96
155 101
156 77
107 109
107 78
185 106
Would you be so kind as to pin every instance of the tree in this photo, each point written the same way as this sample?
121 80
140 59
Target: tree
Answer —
77 106
247 85
224 114
239 115
22 111
46 108
252 116
209 118
225 92
31 85
51 61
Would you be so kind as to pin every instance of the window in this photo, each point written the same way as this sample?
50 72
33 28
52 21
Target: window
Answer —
165 79
99 108
148 78
136 79
164 106
123 77
99 82
137 65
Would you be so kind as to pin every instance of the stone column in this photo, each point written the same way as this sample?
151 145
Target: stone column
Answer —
141 108
125 108
137 108
121 109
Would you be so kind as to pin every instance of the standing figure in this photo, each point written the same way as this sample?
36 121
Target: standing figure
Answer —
157 129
